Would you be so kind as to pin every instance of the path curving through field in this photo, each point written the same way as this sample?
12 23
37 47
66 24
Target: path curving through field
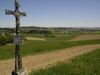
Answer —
43 60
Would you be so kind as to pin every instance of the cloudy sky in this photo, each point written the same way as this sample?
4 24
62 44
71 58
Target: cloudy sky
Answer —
53 13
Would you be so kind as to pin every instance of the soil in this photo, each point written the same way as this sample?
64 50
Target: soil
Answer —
86 37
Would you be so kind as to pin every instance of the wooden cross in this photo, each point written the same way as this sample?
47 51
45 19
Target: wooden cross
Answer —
17 14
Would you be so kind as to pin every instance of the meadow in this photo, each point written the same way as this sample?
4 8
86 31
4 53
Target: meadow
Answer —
34 46
87 64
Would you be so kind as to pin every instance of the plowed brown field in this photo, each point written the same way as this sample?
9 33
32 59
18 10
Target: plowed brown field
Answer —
86 37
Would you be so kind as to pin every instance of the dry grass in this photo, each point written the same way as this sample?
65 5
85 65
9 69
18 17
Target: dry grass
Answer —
35 38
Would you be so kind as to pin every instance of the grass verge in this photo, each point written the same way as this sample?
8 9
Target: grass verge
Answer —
87 64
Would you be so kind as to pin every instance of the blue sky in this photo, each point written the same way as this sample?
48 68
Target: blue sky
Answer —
53 13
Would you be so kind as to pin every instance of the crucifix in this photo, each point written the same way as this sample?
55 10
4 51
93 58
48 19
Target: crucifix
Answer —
17 40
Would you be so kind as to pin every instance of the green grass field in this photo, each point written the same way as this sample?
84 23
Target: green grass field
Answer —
35 47
87 64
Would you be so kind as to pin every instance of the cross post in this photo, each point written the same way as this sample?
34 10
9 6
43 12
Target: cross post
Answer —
18 59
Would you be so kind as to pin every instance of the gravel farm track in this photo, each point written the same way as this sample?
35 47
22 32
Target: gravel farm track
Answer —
38 61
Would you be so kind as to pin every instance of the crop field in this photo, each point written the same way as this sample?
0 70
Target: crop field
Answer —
36 46
86 37
87 64
37 49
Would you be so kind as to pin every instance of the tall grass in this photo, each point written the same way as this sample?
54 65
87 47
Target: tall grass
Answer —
87 64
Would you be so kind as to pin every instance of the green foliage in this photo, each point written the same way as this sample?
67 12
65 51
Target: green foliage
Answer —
9 38
3 40
39 32
6 38
87 64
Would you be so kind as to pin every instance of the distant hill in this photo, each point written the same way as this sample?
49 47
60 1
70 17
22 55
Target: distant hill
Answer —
56 29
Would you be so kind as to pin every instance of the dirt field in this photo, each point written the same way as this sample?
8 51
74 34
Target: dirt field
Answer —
35 38
43 60
86 37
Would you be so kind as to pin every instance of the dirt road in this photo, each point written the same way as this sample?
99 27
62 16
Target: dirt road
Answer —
43 60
